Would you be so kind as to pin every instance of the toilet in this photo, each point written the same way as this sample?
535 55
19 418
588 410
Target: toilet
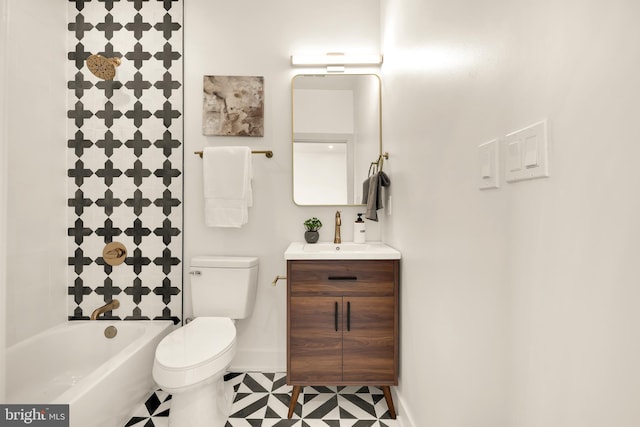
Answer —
191 361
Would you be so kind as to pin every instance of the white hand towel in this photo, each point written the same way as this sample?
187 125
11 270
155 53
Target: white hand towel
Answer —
227 186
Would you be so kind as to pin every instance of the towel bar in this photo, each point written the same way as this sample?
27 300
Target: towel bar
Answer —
267 153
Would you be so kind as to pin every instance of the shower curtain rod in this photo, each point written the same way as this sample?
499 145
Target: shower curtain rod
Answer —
267 153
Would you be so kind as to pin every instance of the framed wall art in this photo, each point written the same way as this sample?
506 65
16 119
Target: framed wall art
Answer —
233 106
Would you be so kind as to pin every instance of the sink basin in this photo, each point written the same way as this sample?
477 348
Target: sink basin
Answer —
347 250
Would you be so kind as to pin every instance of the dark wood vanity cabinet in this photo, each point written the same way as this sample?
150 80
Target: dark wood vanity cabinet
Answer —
342 324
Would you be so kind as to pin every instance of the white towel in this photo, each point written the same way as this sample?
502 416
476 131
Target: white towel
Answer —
227 186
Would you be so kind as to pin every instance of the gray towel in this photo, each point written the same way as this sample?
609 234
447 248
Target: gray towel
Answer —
373 196
365 190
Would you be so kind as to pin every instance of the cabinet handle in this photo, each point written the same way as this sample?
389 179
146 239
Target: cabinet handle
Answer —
348 316
336 316
343 277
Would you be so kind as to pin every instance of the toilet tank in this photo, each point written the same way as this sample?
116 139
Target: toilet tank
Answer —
223 286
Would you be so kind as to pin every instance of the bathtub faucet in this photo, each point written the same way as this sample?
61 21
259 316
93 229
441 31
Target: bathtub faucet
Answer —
112 305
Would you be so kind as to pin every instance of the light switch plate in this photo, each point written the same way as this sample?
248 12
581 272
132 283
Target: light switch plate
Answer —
527 153
488 165
514 155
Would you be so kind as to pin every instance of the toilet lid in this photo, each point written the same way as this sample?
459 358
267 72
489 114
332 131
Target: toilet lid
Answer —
196 343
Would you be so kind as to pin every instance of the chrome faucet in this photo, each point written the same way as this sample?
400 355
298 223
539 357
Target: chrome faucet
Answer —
112 305
336 237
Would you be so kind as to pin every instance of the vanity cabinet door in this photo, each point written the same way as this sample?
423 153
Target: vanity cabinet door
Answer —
315 340
369 340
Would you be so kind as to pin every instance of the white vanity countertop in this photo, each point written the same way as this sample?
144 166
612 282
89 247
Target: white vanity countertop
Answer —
340 251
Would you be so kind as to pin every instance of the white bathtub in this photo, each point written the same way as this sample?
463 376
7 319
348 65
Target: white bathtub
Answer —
101 379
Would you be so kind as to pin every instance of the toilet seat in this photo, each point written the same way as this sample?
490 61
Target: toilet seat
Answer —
196 343
194 352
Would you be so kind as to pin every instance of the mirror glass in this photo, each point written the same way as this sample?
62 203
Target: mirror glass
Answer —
336 136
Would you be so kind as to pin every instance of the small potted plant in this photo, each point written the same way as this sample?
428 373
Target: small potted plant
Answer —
312 225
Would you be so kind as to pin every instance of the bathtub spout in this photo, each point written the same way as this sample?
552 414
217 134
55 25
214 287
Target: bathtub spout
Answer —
107 307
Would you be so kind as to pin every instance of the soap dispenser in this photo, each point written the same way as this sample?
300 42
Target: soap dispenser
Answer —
359 230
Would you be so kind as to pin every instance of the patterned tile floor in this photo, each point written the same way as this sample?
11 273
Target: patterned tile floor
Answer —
262 400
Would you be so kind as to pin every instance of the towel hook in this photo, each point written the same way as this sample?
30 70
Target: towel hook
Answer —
381 159
378 164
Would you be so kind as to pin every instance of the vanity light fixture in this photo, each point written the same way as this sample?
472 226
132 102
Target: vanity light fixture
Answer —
336 59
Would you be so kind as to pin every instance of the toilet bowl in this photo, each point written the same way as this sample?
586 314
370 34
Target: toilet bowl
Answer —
191 361
190 364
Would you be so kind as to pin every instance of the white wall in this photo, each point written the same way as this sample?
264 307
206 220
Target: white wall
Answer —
454 319
574 254
3 197
36 149
519 305
257 38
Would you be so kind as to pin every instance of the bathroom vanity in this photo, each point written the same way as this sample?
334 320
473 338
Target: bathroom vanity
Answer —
342 316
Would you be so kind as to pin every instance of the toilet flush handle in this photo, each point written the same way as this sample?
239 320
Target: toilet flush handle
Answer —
195 273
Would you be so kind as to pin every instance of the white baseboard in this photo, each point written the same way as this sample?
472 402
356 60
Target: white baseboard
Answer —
404 415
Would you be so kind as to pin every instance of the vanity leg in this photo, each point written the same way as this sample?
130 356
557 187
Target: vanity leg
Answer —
294 399
387 396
